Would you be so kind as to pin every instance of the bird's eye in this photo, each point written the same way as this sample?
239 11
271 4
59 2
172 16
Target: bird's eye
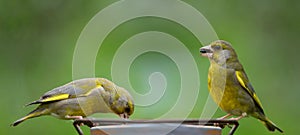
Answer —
217 47
127 109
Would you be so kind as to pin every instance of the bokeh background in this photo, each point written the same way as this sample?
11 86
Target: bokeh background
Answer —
38 39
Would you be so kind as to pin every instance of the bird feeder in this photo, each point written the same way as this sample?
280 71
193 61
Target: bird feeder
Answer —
155 127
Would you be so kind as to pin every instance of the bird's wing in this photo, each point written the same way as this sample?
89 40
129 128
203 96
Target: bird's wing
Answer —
73 89
244 82
209 81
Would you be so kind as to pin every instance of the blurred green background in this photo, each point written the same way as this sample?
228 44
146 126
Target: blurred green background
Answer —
38 38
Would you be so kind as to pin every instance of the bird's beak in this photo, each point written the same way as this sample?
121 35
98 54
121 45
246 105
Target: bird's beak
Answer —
206 51
124 116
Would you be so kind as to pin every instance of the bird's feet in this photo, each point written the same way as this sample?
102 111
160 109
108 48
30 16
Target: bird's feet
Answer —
240 117
73 117
224 117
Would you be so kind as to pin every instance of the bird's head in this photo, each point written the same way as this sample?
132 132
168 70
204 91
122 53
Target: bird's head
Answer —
220 52
123 104
117 98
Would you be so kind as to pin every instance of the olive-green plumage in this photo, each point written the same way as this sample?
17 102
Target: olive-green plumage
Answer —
81 98
229 85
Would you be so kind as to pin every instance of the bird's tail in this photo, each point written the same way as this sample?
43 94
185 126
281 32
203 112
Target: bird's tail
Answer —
270 125
35 113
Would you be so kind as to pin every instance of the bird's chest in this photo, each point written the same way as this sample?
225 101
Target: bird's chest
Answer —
221 86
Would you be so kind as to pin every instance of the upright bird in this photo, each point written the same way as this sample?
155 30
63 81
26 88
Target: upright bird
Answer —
229 85
81 98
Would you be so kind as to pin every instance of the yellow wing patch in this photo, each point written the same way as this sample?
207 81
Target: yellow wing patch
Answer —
238 76
56 97
243 80
209 83
98 84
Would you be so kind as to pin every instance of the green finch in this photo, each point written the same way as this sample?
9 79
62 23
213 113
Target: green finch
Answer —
81 98
229 85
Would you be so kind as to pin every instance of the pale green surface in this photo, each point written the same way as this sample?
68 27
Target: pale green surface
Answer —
158 129
38 39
